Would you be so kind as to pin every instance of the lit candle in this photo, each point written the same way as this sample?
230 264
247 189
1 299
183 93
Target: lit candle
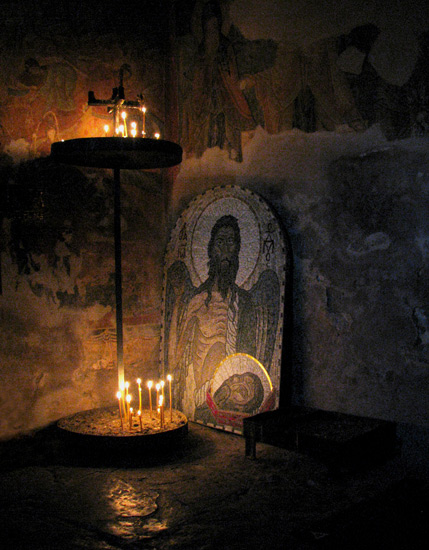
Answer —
169 378
126 386
134 129
119 395
144 121
140 419
128 399
157 136
124 116
161 410
162 384
121 130
157 387
140 392
149 385
122 388
131 418
106 129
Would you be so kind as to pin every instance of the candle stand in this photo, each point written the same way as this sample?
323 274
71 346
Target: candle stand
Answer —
103 428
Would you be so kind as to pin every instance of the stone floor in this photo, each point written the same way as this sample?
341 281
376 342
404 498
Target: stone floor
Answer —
204 495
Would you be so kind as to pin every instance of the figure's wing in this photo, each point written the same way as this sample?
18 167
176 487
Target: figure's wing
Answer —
178 291
266 300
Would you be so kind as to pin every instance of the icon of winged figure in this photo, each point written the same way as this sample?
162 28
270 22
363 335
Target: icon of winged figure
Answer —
205 324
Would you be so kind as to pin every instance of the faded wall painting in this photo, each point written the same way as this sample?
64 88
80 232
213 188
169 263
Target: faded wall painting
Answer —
53 53
229 85
223 303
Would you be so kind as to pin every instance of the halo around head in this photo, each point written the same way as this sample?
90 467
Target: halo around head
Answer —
240 363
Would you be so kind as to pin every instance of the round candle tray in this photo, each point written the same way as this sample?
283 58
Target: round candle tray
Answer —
99 433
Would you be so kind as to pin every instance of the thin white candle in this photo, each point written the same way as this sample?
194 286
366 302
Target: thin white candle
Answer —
140 392
149 385
169 378
119 396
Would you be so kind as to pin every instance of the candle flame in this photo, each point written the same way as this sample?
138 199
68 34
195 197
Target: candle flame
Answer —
144 109
123 115
119 395
128 398
157 136
139 412
127 385
169 377
149 384
162 383
139 381
122 386
161 399
157 387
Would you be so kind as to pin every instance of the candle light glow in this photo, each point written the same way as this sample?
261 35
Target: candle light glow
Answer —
134 128
144 121
157 387
161 410
124 118
122 389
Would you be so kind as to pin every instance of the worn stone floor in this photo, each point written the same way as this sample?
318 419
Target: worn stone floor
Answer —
205 494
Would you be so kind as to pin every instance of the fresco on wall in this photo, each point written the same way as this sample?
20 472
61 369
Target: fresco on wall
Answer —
53 55
229 85
223 307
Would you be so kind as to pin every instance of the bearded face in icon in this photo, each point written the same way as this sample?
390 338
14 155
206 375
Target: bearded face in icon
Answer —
223 252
